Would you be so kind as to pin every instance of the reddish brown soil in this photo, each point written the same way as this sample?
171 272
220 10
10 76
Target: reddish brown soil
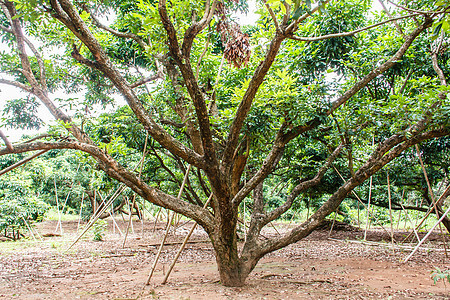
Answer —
314 268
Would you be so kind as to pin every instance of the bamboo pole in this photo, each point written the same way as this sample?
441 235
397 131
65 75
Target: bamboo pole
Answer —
186 239
144 153
130 222
428 234
407 216
156 219
368 208
167 229
332 224
81 209
390 207
57 207
369 198
29 228
400 213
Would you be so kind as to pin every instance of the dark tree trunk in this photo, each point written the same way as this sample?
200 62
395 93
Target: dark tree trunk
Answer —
233 270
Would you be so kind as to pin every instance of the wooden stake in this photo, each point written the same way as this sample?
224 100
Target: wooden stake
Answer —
332 224
130 222
29 229
167 229
407 216
156 219
357 197
400 213
186 239
368 200
368 209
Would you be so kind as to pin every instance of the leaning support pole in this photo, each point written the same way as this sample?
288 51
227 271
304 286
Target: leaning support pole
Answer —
428 234
130 221
359 199
186 239
57 207
81 210
368 201
390 208
97 214
167 229
29 228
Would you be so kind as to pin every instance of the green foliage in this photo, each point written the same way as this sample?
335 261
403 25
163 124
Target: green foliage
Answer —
22 113
19 204
98 230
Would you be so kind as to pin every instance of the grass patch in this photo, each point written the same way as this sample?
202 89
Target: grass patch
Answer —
53 215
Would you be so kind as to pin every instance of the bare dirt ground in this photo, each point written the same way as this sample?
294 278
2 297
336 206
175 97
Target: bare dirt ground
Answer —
314 268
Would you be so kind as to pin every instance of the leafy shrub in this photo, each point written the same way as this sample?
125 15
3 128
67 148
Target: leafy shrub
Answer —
18 206
439 274
98 230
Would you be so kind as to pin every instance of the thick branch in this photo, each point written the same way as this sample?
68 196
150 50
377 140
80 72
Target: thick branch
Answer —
181 58
7 142
146 80
19 85
36 89
267 167
196 28
118 172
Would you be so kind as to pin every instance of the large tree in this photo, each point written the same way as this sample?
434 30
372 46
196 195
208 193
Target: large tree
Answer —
273 107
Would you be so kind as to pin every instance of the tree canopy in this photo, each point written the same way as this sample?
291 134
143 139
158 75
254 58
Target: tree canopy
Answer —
321 94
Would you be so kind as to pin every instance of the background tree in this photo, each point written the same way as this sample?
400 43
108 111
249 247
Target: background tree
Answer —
237 125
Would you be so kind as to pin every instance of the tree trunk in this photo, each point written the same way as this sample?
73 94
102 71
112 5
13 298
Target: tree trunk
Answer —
232 270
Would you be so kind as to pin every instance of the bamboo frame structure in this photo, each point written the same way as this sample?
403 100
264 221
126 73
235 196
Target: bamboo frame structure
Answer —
427 235
152 270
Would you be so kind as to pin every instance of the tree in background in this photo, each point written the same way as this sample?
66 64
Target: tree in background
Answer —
272 107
